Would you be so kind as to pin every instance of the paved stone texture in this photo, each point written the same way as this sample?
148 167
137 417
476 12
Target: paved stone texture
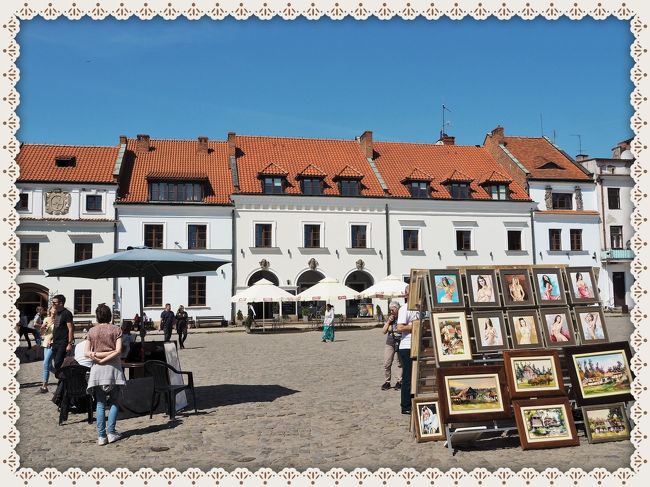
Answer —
281 400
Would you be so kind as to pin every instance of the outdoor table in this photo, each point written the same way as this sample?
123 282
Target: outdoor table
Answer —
136 369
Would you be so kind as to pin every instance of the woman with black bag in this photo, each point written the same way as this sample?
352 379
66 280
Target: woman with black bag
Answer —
390 349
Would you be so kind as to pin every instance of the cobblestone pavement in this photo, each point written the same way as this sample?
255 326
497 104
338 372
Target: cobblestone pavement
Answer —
280 400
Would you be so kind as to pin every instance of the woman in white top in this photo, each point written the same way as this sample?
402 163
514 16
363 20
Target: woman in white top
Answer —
328 324
405 321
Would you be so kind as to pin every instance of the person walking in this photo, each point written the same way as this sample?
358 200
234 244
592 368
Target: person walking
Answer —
25 330
63 335
104 346
46 329
391 347
167 321
405 321
328 324
181 325
37 323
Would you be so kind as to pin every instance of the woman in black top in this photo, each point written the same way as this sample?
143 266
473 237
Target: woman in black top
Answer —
181 325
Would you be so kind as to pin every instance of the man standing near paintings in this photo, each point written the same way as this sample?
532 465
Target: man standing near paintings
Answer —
405 321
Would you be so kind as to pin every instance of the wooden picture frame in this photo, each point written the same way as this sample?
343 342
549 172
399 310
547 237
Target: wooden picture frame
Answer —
606 422
475 393
482 288
451 336
524 328
416 336
446 288
557 326
416 286
591 324
583 287
606 381
533 373
545 423
549 285
489 331
429 424
517 287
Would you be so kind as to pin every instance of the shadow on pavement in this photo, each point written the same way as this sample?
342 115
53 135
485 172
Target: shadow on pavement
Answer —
151 429
208 397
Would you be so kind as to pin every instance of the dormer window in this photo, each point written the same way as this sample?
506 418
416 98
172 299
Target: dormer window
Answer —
350 187
418 189
551 165
312 186
65 161
273 185
498 191
175 191
459 191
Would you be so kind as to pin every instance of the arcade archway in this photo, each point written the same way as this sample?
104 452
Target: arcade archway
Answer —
359 308
31 296
263 309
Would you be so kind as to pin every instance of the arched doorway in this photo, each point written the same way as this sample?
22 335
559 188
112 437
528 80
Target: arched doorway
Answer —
31 296
306 280
361 308
266 310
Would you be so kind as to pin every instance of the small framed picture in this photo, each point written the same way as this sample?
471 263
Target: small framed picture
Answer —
489 331
482 291
606 422
451 337
558 327
446 288
550 286
428 420
525 331
545 423
583 288
591 324
517 287
533 373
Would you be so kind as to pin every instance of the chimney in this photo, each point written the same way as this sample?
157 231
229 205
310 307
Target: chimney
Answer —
202 147
232 144
366 144
142 143
581 157
447 139
123 140
498 134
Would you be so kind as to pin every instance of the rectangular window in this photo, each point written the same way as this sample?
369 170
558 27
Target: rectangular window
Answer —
562 201
312 186
196 291
175 192
460 191
358 237
575 235
350 187
82 298
499 192
83 251
463 240
419 189
273 185
152 292
153 236
555 239
93 202
197 236
29 256
23 202
614 198
411 239
514 239
312 236
263 235
616 236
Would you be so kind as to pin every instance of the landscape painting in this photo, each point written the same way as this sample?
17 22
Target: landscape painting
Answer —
545 423
604 423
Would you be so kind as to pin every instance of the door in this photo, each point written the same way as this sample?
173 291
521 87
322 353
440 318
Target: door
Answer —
618 280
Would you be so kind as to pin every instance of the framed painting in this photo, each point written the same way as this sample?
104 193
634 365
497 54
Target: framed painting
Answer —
583 288
416 289
524 329
550 286
446 288
591 324
605 423
545 423
475 393
600 373
483 291
451 337
533 373
429 425
489 331
558 327
517 287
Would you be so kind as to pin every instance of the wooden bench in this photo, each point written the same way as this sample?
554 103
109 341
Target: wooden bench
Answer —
210 321
80 325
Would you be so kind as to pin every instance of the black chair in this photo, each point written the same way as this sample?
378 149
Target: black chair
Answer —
74 390
162 386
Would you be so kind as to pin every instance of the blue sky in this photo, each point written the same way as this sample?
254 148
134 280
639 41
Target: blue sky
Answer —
85 82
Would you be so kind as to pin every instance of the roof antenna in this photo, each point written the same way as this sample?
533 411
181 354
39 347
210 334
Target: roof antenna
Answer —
442 131
579 142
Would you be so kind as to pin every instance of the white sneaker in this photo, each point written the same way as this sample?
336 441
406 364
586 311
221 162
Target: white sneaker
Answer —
102 440
114 437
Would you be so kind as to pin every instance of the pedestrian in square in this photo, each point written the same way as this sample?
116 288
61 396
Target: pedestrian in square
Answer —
405 321
328 324
181 325
47 329
167 321
63 335
391 347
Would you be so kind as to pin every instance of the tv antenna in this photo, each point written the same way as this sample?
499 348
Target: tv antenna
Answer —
442 131
579 142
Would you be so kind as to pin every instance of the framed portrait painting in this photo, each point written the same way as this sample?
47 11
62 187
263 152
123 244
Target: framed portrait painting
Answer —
558 327
446 288
600 373
525 331
489 331
545 423
550 286
591 324
533 373
607 422
483 291
517 287
583 288
451 337
429 425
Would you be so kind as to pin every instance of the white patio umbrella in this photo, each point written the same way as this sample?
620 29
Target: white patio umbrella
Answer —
260 292
327 289
389 287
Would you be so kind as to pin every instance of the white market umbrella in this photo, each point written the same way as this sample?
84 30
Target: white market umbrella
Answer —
389 287
260 292
327 289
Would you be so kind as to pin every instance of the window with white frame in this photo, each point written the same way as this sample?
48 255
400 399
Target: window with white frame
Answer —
411 239
463 240
359 236
312 235
514 240
197 236
263 235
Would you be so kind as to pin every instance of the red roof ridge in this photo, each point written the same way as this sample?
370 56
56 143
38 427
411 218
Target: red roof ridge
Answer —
82 146
458 176
179 140
418 174
312 170
294 138
274 170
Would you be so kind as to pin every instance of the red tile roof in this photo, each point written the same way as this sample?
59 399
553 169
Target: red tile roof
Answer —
496 177
312 170
457 177
349 172
176 175
396 160
273 170
93 164
536 152
418 174
176 157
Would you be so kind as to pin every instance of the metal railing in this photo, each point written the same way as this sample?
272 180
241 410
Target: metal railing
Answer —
617 254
